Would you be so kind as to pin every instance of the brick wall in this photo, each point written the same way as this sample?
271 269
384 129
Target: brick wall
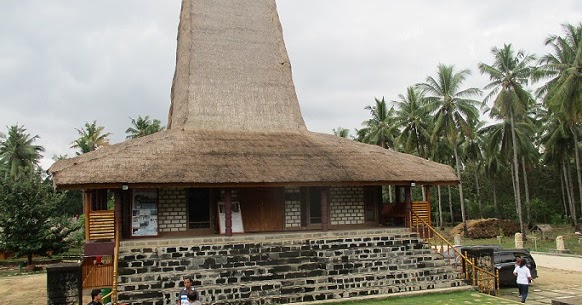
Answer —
292 207
172 210
346 205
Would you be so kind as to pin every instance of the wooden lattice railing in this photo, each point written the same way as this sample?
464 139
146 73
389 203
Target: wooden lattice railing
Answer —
97 271
101 225
486 281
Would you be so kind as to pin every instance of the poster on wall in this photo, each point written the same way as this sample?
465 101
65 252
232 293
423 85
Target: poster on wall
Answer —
144 221
237 224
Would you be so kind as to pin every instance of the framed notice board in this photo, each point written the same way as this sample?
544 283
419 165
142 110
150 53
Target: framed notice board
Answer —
144 213
237 224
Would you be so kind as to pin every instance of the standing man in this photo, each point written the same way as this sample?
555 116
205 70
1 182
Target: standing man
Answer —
95 297
517 264
183 296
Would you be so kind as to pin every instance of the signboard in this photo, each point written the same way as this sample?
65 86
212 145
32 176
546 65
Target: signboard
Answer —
144 217
237 224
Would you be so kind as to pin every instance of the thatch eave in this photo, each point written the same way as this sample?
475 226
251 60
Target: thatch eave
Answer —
182 158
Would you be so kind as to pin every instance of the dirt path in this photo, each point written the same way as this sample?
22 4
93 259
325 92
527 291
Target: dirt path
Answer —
23 290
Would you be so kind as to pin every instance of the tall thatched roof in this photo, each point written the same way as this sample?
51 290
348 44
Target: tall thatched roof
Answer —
235 120
232 69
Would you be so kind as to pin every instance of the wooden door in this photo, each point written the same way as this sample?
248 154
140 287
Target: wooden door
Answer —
262 209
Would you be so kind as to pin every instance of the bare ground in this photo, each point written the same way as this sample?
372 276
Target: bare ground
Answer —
31 289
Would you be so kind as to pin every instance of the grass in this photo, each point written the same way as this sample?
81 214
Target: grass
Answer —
534 241
453 298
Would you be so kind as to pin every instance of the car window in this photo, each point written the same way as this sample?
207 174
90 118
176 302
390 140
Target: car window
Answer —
503 257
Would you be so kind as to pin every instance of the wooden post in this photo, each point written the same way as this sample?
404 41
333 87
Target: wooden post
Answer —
87 211
118 198
408 207
397 194
324 208
427 193
380 204
228 212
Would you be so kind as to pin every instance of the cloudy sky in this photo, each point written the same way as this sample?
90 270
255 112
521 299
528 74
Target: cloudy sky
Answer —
64 63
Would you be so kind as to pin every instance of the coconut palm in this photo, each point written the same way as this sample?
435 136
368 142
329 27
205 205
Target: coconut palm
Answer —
18 152
557 142
381 129
453 108
563 92
508 74
413 116
341 132
90 138
142 127
472 150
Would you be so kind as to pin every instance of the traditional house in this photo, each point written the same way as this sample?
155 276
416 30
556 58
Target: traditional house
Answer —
236 160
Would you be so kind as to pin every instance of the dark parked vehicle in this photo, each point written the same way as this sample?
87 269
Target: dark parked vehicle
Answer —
503 260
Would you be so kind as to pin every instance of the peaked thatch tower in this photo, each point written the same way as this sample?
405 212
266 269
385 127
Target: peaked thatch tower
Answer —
232 70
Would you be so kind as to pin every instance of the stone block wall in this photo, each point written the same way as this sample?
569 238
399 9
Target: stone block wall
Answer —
172 210
281 269
346 205
292 207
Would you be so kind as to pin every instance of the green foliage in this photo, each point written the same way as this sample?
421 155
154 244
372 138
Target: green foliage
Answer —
90 138
27 205
142 127
18 154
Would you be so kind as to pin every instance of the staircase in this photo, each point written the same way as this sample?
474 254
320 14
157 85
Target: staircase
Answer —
281 268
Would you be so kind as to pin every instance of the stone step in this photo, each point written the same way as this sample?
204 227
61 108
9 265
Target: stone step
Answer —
169 281
253 248
280 269
273 292
285 238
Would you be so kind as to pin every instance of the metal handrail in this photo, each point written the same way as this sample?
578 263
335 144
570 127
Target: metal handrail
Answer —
485 281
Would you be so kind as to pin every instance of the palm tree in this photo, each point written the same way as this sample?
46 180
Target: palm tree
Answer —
341 132
509 73
453 108
381 129
18 154
472 150
143 127
557 143
90 138
563 92
413 116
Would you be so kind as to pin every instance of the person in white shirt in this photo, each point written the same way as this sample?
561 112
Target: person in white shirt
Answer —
523 279
517 262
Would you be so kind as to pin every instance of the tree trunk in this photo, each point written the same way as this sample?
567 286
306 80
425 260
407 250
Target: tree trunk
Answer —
451 207
29 259
461 198
513 186
572 202
577 165
516 173
478 194
495 200
440 208
565 206
526 186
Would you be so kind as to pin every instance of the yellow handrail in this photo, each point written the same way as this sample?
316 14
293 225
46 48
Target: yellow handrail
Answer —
115 259
485 281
